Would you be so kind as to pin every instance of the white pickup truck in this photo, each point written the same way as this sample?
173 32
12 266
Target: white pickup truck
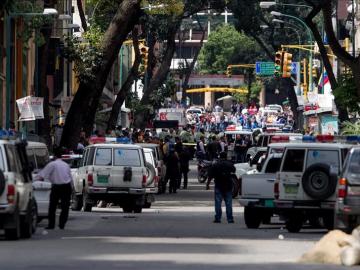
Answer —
257 188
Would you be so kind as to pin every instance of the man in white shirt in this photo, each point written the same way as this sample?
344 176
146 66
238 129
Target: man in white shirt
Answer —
59 174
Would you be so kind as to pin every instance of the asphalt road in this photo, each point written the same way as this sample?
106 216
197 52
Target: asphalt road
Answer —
176 233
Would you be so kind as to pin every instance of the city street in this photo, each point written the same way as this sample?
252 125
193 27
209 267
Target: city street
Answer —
176 233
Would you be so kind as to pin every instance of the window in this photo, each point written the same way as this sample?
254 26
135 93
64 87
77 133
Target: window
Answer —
103 157
294 160
42 157
74 163
257 157
90 156
273 165
266 141
82 161
354 163
149 158
10 154
330 157
127 157
2 165
31 157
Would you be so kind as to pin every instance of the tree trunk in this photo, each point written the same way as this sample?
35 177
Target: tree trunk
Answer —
124 20
125 88
161 72
82 15
286 84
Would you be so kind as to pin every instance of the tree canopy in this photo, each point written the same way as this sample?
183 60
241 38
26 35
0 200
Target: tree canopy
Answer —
227 46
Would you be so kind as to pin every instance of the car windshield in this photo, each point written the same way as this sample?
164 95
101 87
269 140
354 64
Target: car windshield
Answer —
354 167
73 162
127 157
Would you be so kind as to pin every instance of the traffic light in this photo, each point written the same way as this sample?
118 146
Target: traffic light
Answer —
287 65
229 71
313 70
144 54
278 63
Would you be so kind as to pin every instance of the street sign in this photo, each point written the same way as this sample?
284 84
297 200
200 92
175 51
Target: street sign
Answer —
294 67
265 68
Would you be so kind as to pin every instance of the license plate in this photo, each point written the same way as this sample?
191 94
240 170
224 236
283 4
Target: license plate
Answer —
104 179
269 203
291 189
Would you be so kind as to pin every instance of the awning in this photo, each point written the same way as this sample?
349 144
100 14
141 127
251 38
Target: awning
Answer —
218 89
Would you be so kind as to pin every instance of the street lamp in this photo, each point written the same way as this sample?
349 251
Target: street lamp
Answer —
267 4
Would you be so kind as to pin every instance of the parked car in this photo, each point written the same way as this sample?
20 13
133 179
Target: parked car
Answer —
38 156
347 208
264 139
159 161
306 182
18 208
152 173
113 173
257 188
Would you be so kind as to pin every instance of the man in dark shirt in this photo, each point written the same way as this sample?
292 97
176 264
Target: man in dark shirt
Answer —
239 149
221 171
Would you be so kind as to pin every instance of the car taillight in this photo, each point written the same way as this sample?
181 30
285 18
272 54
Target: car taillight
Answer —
90 179
342 188
144 180
11 194
276 190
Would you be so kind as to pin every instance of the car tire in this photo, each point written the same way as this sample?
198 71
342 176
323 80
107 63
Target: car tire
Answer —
14 233
137 209
328 221
87 207
294 223
127 209
147 205
235 186
77 202
318 183
2 182
28 222
151 173
252 217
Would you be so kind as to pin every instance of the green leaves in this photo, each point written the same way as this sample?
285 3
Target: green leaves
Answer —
346 94
227 46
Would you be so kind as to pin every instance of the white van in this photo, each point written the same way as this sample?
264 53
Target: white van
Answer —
113 173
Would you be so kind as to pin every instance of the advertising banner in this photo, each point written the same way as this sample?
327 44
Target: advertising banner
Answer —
329 125
30 108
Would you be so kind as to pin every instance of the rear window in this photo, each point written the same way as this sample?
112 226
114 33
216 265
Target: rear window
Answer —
149 158
42 157
294 160
127 157
103 157
354 166
330 157
31 157
2 165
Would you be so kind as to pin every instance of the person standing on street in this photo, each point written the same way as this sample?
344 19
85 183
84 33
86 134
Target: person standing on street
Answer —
221 171
172 170
184 158
59 174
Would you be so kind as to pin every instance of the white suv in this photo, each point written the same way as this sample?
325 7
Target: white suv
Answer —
113 173
18 209
306 183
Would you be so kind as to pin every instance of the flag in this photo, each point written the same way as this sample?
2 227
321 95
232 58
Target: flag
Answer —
324 84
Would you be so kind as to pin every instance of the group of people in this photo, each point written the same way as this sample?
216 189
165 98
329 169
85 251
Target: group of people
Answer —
249 116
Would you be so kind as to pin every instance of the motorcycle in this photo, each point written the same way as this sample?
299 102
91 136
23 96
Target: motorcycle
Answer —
203 170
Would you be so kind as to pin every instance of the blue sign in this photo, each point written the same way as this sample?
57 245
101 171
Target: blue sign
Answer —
294 67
